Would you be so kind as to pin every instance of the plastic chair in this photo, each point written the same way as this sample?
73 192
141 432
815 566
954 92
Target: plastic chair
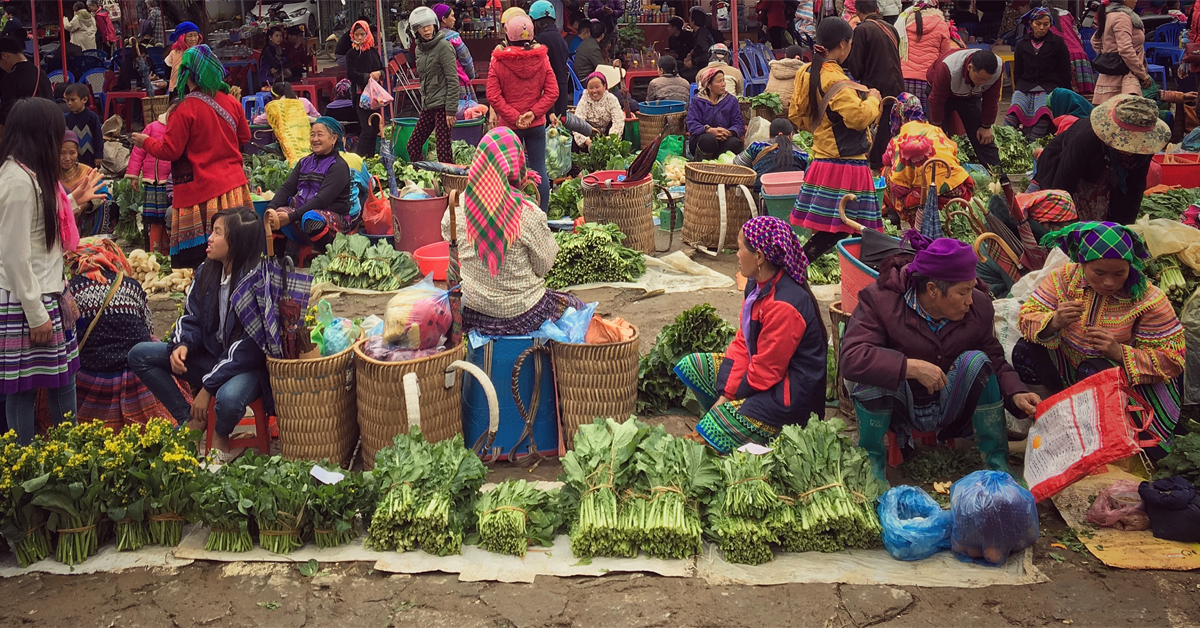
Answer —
1158 70
309 91
579 89
155 53
56 77
111 98
250 103
94 79
754 82
262 429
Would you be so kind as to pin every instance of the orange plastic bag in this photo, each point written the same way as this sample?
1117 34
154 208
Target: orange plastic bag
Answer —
608 331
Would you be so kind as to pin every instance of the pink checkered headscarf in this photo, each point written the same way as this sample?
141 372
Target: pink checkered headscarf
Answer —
493 200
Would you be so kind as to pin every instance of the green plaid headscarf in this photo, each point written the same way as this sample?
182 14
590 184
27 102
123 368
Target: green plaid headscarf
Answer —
1089 241
204 68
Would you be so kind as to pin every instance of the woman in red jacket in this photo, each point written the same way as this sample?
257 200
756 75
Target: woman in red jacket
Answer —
203 142
522 89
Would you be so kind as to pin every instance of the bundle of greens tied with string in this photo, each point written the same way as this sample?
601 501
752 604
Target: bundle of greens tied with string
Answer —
593 253
517 514
595 471
738 513
427 494
675 478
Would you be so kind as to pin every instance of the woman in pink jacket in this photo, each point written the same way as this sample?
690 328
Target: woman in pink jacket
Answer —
1120 30
924 38
522 89
154 176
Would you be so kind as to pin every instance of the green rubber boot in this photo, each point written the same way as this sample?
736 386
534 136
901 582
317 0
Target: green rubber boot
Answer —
991 435
872 434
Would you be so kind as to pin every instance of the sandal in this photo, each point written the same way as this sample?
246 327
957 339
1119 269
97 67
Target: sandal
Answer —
224 458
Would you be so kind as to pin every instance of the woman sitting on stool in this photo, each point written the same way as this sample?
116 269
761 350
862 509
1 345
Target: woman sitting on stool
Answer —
714 118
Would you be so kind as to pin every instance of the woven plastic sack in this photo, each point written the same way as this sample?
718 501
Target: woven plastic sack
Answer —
290 123
418 317
914 526
1119 506
994 517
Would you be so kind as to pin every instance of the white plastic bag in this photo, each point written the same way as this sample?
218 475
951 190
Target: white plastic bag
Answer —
757 130
1027 284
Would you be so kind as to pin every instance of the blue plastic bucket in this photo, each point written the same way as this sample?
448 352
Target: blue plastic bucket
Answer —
497 359
661 107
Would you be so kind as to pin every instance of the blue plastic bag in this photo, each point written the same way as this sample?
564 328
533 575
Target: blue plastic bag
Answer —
994 517
914 526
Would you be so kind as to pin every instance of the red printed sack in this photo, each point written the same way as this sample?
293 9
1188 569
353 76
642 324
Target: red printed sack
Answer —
1081 429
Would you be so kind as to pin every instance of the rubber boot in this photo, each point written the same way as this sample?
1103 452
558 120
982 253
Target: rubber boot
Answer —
872 436
991 437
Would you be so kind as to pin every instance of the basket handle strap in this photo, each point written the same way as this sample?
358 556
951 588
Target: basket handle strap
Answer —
530 414
724 217
488 439
412 399
671 204
750 199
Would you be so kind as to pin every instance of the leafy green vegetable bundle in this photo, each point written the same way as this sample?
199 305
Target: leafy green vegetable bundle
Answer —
516 514
1016 155
265 172
353 262
129 207
1176 279
829 488
427 494
463 152
675 476
566 201
1184 458
593 253
1170 204
698 330
765 99
224 502
604 149
738 516
280 493
594 472
333 508
803 141
825 270
966 152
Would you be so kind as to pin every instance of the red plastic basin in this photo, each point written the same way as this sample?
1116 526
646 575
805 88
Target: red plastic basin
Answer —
433 258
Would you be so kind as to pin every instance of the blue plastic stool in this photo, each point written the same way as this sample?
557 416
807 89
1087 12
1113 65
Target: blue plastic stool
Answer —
497 358
250 103
1158 70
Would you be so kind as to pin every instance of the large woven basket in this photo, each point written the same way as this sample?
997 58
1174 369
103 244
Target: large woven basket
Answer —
652 125
454 182
702 205
382 403
747 111
594 380
766 113
630 208
315 406
154 106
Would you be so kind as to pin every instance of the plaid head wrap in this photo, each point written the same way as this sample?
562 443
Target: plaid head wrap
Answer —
97 254
907 109
1090 241
492 201
334 127
200 65
1039 12
1048 206
777 242
341 91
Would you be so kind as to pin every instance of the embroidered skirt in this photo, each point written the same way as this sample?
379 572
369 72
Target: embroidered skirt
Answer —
825 183
118 399
1029 107
549 308
723 427
155 203
191 225
25 367
918 88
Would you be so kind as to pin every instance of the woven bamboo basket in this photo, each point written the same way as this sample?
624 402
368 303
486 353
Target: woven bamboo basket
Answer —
838 321
382 403
653 125
747 111
154 106
702 214
630 208
766 113
315 406
454 182
594 381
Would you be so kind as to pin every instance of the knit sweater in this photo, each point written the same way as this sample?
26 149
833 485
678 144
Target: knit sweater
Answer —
123 323
605 115
213 148
1150 334
86 125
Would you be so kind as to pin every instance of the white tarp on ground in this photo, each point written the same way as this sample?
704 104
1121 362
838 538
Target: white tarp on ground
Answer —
671 273
106 560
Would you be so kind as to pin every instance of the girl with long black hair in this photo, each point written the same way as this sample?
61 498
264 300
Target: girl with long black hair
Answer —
777 154
839 113
37 318
210 348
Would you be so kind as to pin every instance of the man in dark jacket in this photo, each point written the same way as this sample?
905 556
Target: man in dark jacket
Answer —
679 40
920 356
13 28
702 40
874 61
587 56
549 36
23 79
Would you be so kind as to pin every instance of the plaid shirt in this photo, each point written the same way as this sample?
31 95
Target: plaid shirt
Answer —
935 324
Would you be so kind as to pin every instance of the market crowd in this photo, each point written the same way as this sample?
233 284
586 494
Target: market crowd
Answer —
881 87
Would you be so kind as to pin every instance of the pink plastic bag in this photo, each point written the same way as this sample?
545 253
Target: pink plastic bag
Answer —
1119 506
374 96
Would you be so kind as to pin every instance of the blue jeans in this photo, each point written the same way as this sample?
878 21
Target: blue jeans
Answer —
534 139
152 363
18 409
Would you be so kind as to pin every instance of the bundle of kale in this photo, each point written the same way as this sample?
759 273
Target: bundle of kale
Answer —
698 330
828 492
595 472
427 494
515 515
593 253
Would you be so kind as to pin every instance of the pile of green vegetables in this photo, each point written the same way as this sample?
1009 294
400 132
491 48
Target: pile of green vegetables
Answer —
353 262
281 490
1176 279
566 201
966 152
463 153
333 508
595 472
593 253
738 517
698 330
129 208
427 494
1184 459
804 141
608 152
825 270
765 99
1169 204
517 514
266 172
1016 154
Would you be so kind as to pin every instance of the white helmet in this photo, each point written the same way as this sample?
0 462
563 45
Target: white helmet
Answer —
422 16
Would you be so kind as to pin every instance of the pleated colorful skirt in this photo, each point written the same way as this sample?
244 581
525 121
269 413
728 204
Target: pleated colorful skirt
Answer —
825 183
723 427
26 367
191 225
118 399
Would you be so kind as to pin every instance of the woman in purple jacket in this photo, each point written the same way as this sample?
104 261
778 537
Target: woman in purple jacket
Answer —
714 118
920 356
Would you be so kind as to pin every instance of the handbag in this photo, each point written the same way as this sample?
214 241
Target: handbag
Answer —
1110 63
1191 53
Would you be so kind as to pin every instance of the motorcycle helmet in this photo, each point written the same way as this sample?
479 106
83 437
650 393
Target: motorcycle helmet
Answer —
541 9
422 16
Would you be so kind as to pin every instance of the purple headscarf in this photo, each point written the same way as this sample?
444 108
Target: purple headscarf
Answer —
70 136
441 11
777 242
943 259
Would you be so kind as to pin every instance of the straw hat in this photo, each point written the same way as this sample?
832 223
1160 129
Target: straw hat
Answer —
1130 124
612 75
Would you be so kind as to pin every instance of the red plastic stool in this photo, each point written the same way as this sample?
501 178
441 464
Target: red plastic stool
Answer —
262 430
895 458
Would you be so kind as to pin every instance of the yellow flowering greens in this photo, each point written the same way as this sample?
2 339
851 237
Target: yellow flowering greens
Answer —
23 523
146 472
70 487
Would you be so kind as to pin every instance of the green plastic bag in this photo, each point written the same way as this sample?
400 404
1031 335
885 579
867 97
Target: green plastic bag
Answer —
671 145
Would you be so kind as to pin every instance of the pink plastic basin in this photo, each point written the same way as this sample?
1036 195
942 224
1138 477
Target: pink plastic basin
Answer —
433 258
783 183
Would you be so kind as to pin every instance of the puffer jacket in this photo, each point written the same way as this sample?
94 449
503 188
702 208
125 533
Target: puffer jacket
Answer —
782 79
437 66
82 28
521 80
147 167
923 52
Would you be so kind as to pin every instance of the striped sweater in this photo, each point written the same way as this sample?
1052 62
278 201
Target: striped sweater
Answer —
1152 338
